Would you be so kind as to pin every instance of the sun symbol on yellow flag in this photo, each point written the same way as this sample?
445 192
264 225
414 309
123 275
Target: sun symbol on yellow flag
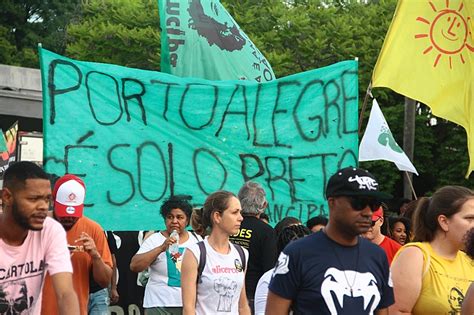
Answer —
448 33
428 55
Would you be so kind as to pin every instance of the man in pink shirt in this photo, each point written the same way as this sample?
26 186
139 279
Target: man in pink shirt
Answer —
374 234
31 244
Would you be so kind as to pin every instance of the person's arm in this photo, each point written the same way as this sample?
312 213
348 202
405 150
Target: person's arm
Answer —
65 294
261 293
382 311
101 272
407 274
114 295
142 261
244 308
188 283
277 305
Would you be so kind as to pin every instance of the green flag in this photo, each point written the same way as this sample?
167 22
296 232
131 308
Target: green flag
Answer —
137 137
201 39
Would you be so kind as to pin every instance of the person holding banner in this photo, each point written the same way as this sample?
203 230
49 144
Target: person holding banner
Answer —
213 278
163 289
432 274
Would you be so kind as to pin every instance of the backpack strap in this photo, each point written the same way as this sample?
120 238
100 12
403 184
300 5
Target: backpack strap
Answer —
241 254
198 238
202 260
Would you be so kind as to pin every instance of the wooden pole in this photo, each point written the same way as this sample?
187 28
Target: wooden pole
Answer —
364 105
408 144
411 185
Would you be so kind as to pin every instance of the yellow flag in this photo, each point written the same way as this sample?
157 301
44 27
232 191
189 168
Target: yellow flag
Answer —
428 55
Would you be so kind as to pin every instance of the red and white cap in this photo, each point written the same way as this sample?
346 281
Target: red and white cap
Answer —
377 214
69 193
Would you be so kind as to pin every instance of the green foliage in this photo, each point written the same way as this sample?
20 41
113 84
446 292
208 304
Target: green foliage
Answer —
25 23
124 32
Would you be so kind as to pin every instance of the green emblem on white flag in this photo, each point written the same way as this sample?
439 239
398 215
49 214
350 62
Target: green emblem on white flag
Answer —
378 143
386 138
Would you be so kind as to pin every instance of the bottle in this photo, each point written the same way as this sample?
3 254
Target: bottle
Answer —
174 248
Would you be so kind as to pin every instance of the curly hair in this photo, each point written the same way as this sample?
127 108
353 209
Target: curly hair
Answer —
470 243
177 202
291 233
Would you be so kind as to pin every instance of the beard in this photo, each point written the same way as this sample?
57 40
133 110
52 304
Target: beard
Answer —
66 222
22 220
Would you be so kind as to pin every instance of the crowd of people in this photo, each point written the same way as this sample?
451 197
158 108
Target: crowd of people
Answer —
358 260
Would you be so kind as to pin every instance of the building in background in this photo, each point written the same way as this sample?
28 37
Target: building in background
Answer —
21 100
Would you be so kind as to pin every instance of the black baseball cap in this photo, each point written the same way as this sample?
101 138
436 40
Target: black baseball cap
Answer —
353 181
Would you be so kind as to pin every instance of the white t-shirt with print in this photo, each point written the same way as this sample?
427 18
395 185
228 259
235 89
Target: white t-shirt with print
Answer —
23 268
222 280
164 285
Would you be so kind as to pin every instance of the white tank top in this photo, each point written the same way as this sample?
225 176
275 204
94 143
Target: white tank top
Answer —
222 280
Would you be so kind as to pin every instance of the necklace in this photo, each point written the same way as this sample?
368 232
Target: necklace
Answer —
344 269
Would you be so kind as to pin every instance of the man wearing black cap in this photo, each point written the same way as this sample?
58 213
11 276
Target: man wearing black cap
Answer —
336 271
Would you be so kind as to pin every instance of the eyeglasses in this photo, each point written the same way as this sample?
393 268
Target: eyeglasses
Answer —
373 222
360 203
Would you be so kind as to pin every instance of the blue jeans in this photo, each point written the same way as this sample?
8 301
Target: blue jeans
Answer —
99 302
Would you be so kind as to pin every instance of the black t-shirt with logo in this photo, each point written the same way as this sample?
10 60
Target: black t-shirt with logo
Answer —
260 240
321 276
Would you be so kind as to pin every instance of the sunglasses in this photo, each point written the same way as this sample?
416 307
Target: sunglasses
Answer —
360 203
373 222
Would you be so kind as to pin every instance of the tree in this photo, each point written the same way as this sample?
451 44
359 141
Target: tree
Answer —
124 32
25 23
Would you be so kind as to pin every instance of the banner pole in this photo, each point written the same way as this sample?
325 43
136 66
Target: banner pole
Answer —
364 105
411 185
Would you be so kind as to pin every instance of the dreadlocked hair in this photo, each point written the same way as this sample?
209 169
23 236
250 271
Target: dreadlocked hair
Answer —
291 233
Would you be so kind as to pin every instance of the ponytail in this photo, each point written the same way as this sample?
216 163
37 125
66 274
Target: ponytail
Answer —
196 222
421 222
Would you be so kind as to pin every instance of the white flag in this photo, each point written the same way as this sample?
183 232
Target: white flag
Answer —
379 144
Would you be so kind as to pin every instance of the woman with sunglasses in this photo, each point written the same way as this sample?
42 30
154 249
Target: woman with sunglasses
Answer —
432 274
213 271
375 235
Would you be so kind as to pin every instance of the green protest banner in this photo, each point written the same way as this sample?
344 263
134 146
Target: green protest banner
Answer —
136 137
199 38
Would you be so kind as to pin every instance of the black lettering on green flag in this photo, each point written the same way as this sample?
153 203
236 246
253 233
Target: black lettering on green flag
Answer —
201 39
